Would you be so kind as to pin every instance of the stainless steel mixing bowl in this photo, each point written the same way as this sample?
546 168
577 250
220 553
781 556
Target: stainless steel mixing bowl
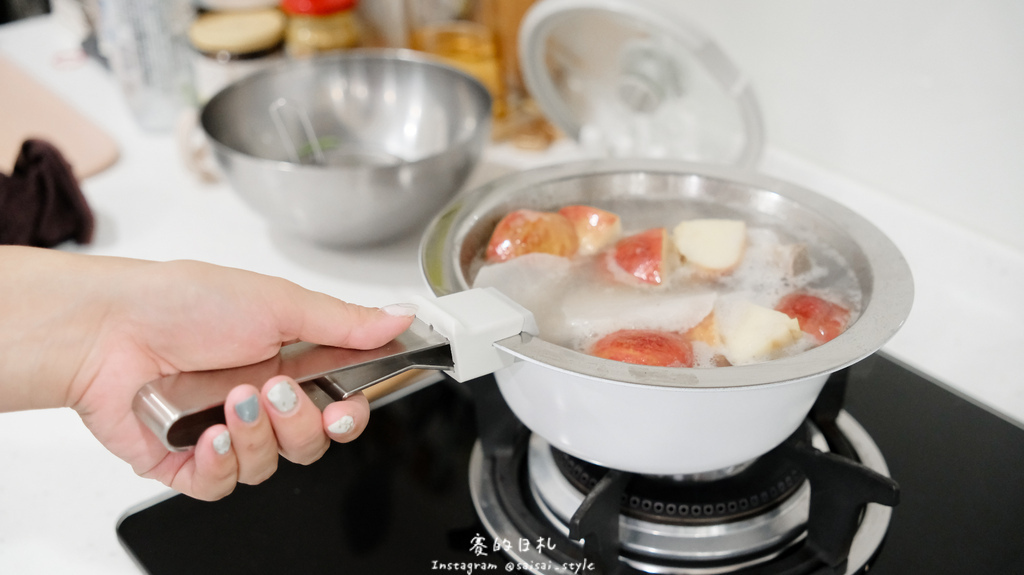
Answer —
350 149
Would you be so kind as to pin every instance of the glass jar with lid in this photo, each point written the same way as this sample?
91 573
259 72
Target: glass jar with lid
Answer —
480 38
231 45
462 32
316 26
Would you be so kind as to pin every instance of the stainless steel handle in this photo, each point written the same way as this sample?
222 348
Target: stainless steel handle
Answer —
460 333
178 408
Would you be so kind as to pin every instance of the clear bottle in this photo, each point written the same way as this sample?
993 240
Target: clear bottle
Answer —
316 26
145 43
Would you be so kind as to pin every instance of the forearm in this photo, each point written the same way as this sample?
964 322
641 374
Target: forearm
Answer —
52 306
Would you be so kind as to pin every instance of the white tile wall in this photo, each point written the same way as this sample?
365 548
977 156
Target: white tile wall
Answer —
920 99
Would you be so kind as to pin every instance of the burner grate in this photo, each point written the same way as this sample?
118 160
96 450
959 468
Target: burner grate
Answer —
759 487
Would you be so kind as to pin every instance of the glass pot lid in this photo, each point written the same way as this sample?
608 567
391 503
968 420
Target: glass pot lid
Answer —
627 80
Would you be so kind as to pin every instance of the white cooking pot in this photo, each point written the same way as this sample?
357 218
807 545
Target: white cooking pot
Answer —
665 420
655 420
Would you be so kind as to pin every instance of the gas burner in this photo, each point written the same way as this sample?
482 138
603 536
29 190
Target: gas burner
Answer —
746 490
713 535
533 491
742 512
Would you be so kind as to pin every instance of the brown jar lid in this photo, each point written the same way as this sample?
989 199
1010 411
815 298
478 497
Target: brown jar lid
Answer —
237 32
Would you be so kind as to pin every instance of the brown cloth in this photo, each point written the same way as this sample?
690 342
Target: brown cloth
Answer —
41 204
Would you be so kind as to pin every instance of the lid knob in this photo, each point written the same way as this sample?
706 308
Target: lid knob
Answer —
648 77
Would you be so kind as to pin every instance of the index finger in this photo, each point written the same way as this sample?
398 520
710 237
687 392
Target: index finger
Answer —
315 317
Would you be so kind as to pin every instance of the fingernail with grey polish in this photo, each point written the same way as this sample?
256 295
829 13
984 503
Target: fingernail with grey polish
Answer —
283 397
248 409
401 309
343 425
222 443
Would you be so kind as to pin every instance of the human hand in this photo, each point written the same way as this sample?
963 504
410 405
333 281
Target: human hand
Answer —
94 330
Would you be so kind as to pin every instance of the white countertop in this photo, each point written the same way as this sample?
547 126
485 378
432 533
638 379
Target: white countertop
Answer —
61 493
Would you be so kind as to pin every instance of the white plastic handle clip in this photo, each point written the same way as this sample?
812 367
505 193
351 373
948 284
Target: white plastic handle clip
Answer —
472 321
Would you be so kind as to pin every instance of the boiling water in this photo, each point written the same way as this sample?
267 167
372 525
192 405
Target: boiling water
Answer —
579 300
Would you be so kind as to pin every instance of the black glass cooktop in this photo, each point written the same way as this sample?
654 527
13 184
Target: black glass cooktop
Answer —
397 500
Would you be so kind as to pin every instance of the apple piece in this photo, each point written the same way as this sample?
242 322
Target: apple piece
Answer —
792 259
822 319
712 244
529 231
596 228
707 343
645 347
706 331
646 256
752 333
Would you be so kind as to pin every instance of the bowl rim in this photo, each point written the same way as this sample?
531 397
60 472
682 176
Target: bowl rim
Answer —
887 307
385 54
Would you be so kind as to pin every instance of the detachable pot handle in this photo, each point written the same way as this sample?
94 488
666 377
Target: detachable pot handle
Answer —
456 333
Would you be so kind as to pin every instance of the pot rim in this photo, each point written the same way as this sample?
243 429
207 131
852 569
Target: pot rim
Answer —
888 299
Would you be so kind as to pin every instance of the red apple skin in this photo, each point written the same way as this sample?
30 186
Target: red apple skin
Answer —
645 255
529 231
822 319
645 347
596 228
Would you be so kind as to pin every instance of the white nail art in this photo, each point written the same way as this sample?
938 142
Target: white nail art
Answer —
222 443
343 425
401 309
283 397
